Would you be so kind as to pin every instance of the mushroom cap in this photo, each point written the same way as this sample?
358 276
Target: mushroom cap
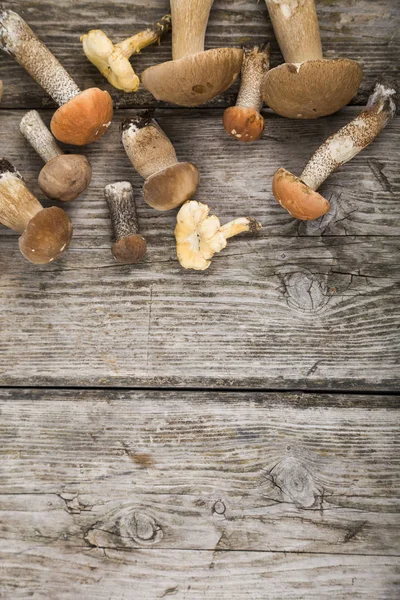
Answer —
110 60
311 89
65 177
297 198
129 249
47 235
243 123
195 78
172 186
84 119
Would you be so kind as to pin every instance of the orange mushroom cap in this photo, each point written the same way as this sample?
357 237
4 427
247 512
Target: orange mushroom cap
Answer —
243 123
297 198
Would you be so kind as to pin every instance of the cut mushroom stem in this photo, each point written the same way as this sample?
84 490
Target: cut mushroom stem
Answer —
298 194
45 232
244 121
306 86
64 176
129 246
194 76
199 236
113 60
168 183
83 117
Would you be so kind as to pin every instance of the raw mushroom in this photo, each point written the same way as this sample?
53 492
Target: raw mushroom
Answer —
129 246
194 76
113 60
83 117
64 176
244 121
199 237
306 86
45 232
297 194
169 183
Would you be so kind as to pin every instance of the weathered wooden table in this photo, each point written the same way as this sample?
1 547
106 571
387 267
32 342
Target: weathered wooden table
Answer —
223 434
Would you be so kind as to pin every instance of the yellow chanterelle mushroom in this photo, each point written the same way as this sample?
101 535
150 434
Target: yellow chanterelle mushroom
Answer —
113 60
199 237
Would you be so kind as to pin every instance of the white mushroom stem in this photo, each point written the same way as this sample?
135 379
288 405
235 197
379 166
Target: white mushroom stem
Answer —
343 145
136 43
18 40
296 28
254 66
239 226
147 146
39 136
189 23
17 205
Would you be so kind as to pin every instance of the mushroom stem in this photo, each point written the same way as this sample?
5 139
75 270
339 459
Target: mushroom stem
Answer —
296 28
18 40
39 136
17 205
254 66
189 23
346 143
151 35
239 226
122 207
147 146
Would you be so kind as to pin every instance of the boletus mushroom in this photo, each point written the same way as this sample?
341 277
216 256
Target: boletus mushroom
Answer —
113 60
64 176
306 86
244 121
169 183
199 237
194 76
45 232
298 195
83 117
129 246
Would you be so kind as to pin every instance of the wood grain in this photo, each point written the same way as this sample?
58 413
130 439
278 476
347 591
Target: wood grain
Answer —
363 31
201 471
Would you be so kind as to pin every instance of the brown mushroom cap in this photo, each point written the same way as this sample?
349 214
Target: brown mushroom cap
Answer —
172 186
195 78
297 198
84 119
47 235
65 177
129 249
243 123
311 89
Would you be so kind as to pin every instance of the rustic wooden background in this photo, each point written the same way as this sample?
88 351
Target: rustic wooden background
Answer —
227 434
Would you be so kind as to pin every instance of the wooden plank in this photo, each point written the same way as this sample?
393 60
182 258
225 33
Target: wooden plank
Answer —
363 31
199 471
43 572
300 305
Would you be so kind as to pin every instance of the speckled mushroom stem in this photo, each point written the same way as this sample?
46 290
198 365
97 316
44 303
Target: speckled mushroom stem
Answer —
254 66
147 146
346 143
18 40
39 136
151 35
239 226
189 24
122 207
296 28
17 205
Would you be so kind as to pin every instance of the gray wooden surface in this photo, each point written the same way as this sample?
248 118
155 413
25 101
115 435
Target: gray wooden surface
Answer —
135 494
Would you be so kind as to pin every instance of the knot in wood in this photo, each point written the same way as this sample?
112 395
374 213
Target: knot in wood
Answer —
141 527
305 291
295 483
219 508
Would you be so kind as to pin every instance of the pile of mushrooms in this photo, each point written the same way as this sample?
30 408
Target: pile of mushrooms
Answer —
306 86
